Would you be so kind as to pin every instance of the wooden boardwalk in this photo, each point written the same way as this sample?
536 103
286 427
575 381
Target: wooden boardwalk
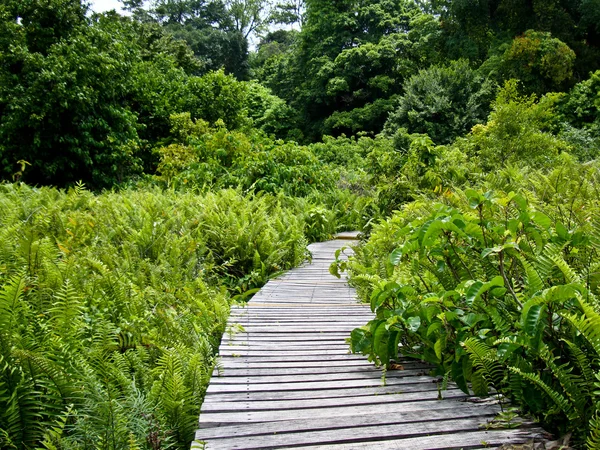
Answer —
286 380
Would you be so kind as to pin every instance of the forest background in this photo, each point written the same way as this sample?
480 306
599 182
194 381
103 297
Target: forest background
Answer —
156 169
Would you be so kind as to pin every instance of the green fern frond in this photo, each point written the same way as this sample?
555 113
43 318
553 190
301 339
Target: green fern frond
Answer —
558 399
593 438
485 361
572 385
569 274
583 363
533 283
588 325
500 321
10 299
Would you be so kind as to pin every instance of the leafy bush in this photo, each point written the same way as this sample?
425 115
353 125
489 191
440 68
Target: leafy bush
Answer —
443 102
541 62
517 132
205 156
270 113
497 290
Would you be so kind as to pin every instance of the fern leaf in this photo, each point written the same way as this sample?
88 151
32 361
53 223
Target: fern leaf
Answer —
593 439
558 399
485 361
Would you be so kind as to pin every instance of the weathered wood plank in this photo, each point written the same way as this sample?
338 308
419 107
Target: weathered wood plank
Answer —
333 423
358 434
249 371
464 440
341 411
245 363
295 378
309 385
298 358
380 391
271 405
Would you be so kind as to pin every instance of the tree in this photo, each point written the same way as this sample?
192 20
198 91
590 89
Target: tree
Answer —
63 111
44 22
349 62
443 102
473 27
541 62
516 133
94 103
249 16
290 12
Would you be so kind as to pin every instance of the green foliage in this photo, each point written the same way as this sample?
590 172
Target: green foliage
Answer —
542 63
221 158
112 307
443 102
517 132
214 97
579 112
498 289
349 63
270 113
471 29
84 107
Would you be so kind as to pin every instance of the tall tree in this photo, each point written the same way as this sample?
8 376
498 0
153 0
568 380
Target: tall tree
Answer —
350 62
250 16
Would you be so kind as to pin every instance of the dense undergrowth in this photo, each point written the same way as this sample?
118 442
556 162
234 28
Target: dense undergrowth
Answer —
493 275
112 307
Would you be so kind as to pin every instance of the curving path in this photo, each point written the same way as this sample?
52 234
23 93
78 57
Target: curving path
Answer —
286 380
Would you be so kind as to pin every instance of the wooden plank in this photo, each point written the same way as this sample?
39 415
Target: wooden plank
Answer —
248 371
272 405
245 363
220 418
333 423
300 342
295 358
295 378
358 434
465 441
310 385
347 321
250 352
289 345
379 391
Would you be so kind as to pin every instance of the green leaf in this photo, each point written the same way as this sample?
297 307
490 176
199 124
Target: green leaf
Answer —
381 338
458 369
360 341
396 256
562 231
435 326
334 270
439 346
541 219
478 288
533 319
414 323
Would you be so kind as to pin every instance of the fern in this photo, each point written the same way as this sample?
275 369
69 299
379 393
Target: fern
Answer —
571 384
558 399
588 325
488 371
54 434
593 439
10 303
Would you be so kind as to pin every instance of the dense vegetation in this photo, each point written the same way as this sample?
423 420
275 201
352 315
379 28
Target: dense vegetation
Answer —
158 167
